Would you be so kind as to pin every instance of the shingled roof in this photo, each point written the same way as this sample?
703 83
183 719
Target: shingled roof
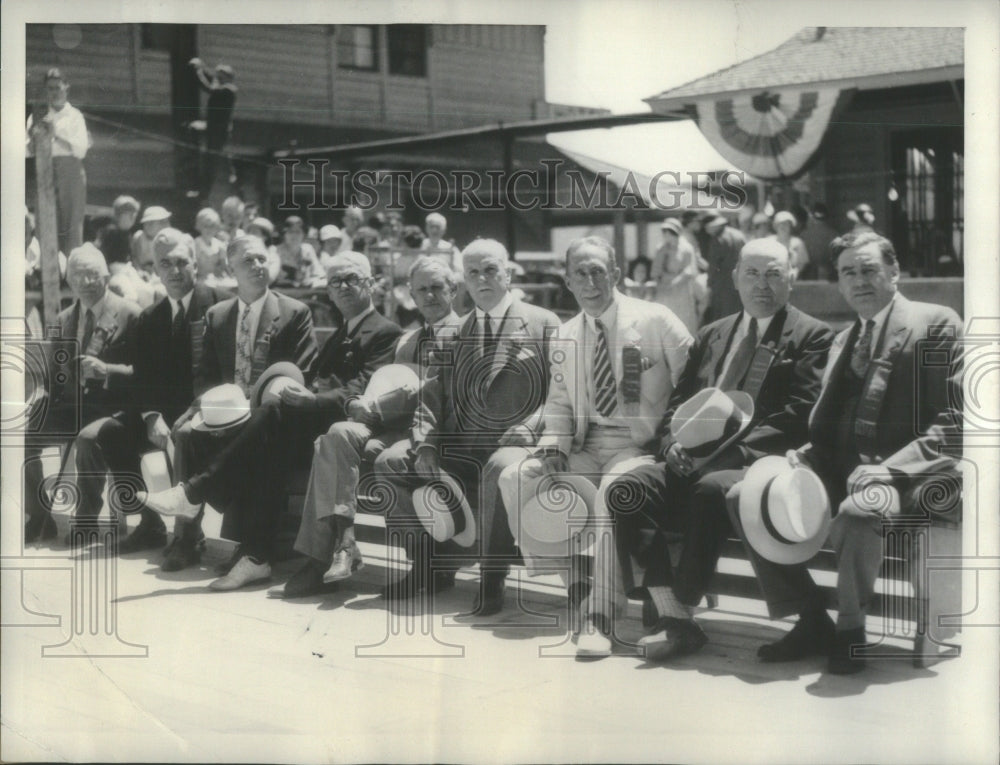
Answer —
826 54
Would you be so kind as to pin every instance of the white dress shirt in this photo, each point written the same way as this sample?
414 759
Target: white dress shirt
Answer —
741 332
879 320
69 125
254 308
496 314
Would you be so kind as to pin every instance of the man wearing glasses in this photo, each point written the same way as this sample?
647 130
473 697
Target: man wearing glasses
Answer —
279 435
326 533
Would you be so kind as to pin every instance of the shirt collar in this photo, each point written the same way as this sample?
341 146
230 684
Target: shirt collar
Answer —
441 323
184 301
881 316
352 324
608 318
256 305
97 308
762 325
498 311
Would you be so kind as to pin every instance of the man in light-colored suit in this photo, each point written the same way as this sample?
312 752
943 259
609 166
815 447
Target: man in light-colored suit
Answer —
487 392
882 437
619 360
327 528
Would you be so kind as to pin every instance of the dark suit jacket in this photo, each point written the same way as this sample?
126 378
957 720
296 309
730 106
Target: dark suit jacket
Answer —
407 349
117 324
921 409
788 392
347 362
462 396
284 333
163 381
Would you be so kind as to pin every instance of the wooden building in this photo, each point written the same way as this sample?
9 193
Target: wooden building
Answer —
897 144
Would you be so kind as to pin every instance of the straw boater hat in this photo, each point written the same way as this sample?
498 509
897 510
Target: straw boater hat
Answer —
784 510
221 407
442 509
154 213
275 378
710 421
557 510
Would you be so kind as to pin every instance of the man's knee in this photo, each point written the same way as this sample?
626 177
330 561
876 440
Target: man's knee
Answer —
849 530
394 460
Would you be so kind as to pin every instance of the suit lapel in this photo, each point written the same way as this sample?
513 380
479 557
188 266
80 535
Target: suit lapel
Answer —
896 331
69 323
510 323
718 346
269 313
227 344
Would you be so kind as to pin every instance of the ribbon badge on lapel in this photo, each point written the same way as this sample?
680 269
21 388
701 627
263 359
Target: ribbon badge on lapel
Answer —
632 369
261 352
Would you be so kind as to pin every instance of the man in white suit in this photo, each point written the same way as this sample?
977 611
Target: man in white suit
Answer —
613 371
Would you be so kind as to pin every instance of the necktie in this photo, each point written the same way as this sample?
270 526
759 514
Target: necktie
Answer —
244 351
488 344
177 329
863 350
741 359
88 331
605 390
425 344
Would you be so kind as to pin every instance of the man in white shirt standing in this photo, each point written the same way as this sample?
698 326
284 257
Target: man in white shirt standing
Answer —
65 125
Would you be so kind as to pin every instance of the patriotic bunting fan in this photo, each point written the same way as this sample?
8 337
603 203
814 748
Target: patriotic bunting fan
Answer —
771 134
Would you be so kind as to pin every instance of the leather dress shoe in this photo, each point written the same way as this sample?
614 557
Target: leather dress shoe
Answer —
246 571
841 662
346 561
183 551
670 638
39 528
489 599
812 635
148 535
307 581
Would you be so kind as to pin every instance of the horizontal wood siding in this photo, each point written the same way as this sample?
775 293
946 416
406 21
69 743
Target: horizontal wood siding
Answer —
154 80
406 104
99 68
282 71
357 98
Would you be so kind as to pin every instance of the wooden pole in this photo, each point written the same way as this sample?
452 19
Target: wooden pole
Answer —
45 219
511 216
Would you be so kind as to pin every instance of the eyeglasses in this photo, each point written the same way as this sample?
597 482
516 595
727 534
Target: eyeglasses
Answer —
351 280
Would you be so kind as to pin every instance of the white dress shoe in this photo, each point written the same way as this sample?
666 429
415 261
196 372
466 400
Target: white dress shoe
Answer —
170 501
245 572
593 643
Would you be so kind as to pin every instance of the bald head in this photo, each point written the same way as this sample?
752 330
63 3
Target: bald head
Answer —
767 246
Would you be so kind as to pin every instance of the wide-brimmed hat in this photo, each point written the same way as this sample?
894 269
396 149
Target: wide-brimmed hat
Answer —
672 224
557 510
784 510
155 469
710 421
221 407
154 213
392 392
442 509
274 379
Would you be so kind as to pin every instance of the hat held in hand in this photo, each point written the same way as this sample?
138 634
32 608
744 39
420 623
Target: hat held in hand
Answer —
275 379
442 509
710 421
221 407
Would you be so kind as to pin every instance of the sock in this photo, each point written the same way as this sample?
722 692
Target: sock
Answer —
667 603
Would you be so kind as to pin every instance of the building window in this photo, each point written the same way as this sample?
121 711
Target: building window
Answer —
157 36
408 49
928 219
357 47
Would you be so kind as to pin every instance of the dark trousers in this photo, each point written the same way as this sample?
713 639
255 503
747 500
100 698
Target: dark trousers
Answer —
666 504
60 426
110 446
245 473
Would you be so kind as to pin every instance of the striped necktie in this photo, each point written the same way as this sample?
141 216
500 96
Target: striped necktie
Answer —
605 390
862 352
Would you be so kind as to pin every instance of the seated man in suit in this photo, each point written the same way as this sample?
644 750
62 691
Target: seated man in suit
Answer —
250 475
486 393
168 339
621 358
327 529
769 350
103 326
242 336
875 439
